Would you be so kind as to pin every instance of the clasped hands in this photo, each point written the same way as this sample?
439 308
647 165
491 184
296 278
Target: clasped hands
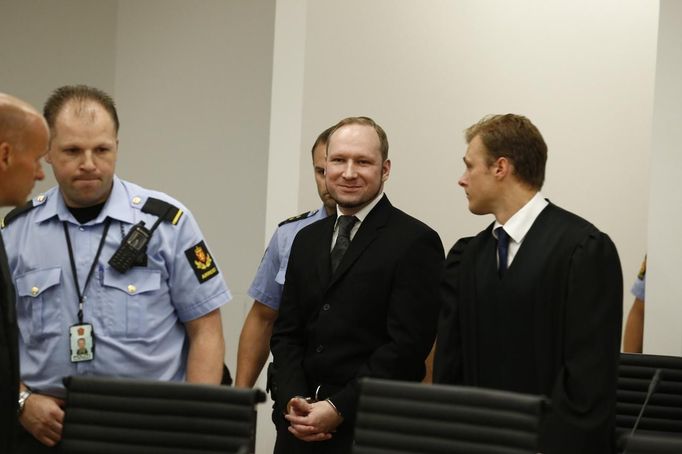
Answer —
312 420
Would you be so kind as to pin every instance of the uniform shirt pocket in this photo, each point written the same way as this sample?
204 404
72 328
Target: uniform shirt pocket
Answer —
40 298
126 299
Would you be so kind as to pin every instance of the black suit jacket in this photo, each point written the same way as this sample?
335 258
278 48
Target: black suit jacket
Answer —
376 316
550 326
9 356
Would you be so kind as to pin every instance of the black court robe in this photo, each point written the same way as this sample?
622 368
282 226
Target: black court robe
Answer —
550 326
9 356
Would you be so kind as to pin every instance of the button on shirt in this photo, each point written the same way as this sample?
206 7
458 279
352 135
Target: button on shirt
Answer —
520 223
138 316
268 283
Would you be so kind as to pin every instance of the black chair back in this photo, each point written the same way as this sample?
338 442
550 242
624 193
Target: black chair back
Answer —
400 417
112 415
663 412
652 444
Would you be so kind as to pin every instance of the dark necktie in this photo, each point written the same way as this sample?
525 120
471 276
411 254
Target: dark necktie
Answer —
502 249
346 224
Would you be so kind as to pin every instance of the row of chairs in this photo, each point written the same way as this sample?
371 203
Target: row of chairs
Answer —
117 415
407 418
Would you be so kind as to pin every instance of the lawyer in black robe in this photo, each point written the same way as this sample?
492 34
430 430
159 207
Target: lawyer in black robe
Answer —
551 323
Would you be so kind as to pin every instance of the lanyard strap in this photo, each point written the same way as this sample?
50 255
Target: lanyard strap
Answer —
81 294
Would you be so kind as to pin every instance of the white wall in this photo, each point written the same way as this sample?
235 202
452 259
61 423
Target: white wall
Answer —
663 321
582 71
44 45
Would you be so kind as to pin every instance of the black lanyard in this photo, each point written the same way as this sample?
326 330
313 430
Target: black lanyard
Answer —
81 295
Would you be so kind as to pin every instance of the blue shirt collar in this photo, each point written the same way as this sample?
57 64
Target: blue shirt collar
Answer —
117 207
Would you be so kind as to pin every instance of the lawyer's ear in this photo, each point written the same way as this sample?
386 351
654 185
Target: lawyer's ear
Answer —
502 167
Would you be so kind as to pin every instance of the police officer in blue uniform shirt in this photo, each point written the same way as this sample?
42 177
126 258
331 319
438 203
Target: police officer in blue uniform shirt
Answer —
633 335
145 297
266 289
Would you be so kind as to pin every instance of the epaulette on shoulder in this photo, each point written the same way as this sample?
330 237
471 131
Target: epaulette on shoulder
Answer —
297 218
166 211
15 213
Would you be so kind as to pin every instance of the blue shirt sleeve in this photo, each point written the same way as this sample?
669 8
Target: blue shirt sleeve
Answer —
265 287
639 288
195 282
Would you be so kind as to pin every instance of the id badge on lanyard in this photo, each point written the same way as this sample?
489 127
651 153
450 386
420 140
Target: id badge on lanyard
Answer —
82 342
81 335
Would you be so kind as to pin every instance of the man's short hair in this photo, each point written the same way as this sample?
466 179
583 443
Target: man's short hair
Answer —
322 139
365 121
513 137
80 93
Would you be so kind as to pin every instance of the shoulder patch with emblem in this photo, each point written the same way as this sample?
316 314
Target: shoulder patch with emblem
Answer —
17 212
201 261
307 214
162 209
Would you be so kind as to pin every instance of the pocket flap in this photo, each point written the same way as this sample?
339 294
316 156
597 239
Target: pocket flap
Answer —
35 282
135 280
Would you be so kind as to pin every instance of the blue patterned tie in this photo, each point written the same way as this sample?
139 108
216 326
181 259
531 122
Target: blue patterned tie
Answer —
502 249
346 224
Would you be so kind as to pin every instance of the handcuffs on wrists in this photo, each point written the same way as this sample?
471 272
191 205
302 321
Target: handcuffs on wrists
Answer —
312 400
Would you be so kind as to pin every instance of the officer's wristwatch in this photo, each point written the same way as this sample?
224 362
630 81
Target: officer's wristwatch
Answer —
23 396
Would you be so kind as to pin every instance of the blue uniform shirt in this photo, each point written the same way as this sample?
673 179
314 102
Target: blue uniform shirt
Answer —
639 286
137 316
269 281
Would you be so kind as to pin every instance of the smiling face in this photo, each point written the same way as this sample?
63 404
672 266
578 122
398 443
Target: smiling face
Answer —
83 153
479 181
355 171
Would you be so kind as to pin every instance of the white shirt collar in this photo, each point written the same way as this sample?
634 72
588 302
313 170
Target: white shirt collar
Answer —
361 215
520 223
364 211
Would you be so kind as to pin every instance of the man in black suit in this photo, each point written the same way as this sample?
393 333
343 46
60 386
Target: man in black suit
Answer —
533 303
23 142
370 311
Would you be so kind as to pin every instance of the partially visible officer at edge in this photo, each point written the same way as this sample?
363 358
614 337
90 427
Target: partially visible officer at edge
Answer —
266 289
73 256
23 142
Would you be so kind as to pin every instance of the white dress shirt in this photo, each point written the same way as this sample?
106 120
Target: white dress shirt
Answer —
520 223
